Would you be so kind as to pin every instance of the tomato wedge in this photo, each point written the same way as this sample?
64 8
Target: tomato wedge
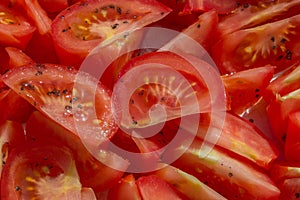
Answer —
275 44
17 57
80 28
226 173
222 6
41 172
15 29
292 143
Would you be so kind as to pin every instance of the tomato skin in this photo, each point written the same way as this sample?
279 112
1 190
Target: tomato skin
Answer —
246 87
52 6
226 173
72 46
17 57
254 47
19 32
292 143
92 172
125 189
221 6
154 188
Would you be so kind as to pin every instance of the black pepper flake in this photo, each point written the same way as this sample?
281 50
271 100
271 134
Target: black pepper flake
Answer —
257 90
251 120
131 101
273 39
274 47
26 85
125 22
288 55
199 25
162 13
39 66
96 11
283 40
297 195
64 30
119 10
283 137
62 17
257 96
111 6
68 107
34 103
38 73
230 174
246 5
3 162
114 26
18 188
134 122
141 93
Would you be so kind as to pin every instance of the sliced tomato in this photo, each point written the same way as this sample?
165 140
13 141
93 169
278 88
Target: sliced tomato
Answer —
17 57
154 188
251 13
50 88
11 135
222 6
92 172
201 31
187 184
290 189
292 143
80 28
13 107
88 194
278 112
126 189
284 83
4 61
162 79
246 87
225 172
240 136
37 14
41 172
285 170
275 43
15 29
53 6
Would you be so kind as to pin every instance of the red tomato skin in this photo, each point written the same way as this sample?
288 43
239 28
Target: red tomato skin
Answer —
92 172
125 189
19 32
153 188
52 6
292 143
221 6
17 57
246 87
72 50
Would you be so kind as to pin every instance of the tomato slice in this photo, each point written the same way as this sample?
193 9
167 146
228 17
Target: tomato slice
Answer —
41 172
225 172
53 6
15 29
80 28
290 189
187 184
154 188
250 15
285 170
246 87
11 135
275 44
126 189
162 80
284 83
292 143
92 172
17 57
222 6
50 88
239 136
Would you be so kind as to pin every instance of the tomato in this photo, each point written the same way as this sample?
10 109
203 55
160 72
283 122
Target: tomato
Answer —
37 14
187 184
290 189
250 15
154 188
201 31
66 97
42 172
17 57
92 173
284 83
246 87
4 61
285 170
80 28
225 172
15 29
11 135
273 44
126 189
240 136
52 6
222 6
161 79
292 143
88 194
